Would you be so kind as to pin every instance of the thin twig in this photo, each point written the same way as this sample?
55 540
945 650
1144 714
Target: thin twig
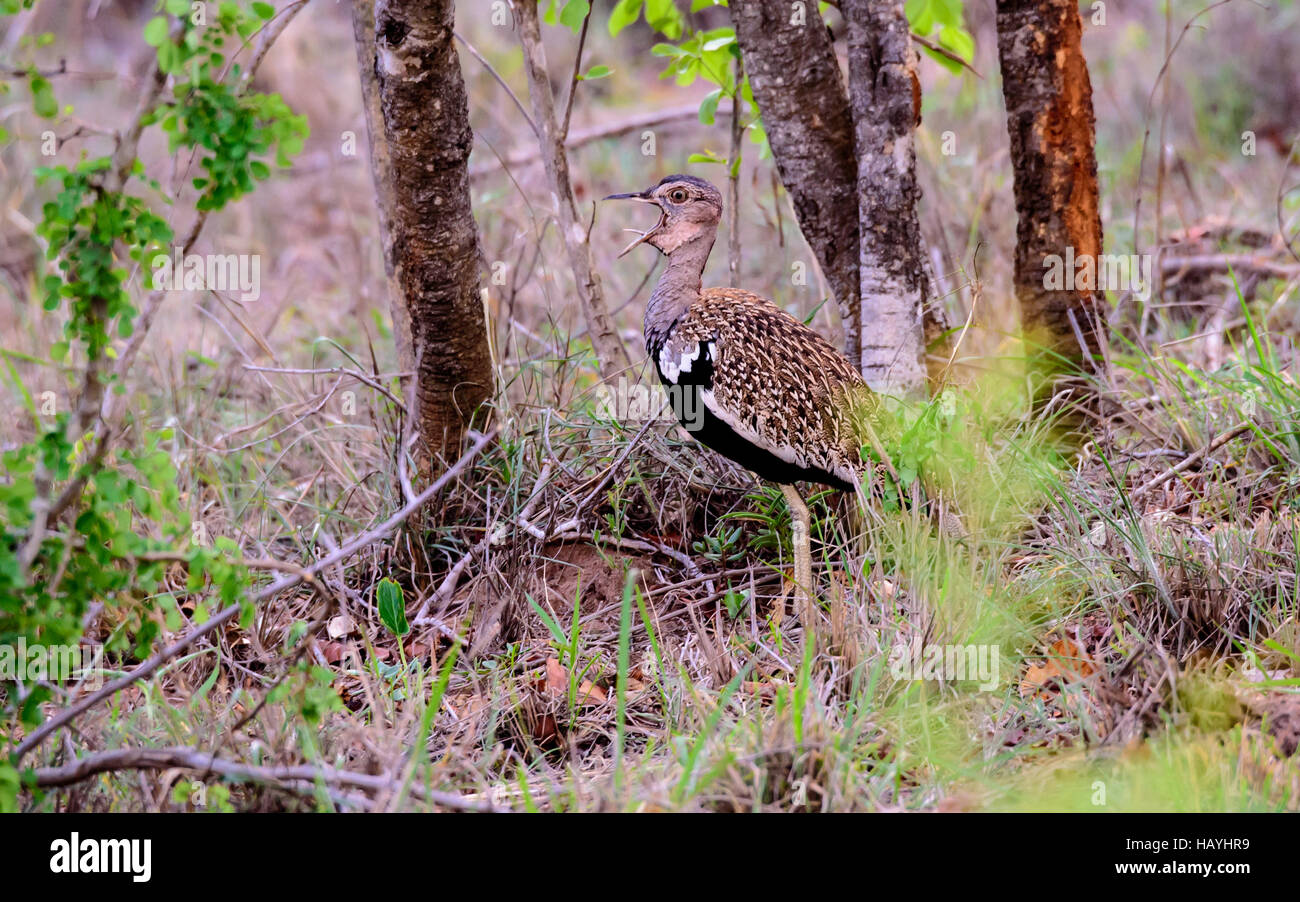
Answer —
945 53
573 82
1146 134
502 82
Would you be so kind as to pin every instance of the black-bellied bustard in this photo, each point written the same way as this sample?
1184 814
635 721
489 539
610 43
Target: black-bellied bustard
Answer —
746 378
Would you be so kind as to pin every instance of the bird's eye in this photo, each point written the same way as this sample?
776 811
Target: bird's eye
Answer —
677 196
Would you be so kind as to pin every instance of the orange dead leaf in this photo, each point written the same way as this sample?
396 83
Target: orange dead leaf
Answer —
557 683
332 652
1065 664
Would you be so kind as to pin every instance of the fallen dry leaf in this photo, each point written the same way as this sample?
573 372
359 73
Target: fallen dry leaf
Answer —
332 652
1065 664
339 626
557 683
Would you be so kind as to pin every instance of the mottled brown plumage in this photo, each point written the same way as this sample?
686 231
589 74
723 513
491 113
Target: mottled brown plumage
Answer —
776 397
776 382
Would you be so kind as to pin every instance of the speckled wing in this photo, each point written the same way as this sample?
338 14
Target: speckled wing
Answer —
778 384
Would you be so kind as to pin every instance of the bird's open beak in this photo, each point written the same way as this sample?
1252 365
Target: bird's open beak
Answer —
642 237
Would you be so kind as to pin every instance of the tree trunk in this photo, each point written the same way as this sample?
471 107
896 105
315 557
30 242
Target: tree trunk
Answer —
795 77
885 97
381 169
411 77
610 353
1050 121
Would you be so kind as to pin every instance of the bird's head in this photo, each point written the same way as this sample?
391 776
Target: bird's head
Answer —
689 208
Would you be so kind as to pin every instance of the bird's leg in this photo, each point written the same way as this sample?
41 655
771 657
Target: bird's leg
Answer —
800 527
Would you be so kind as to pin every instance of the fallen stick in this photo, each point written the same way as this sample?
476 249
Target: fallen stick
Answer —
279 776
1190 459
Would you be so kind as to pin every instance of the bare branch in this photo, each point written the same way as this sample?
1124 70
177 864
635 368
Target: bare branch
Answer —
300 778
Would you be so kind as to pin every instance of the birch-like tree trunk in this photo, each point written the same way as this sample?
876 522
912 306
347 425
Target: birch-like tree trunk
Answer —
1052 128
885 96
417 114
610 353
795 77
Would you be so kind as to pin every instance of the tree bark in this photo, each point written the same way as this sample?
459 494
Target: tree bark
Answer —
611 356
795 77
411 78
381 169
1052 129
885 96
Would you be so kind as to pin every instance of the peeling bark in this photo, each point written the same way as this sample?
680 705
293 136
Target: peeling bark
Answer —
422 184
795 77
610 353
1052 130
885 99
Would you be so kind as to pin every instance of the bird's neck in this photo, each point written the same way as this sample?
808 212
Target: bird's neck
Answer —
678 287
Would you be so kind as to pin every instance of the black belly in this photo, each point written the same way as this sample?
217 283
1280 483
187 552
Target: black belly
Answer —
714 432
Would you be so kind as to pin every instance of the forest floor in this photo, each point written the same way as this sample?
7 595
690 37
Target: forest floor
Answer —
601 612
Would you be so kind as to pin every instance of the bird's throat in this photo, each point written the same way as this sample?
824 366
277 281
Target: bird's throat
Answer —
678 287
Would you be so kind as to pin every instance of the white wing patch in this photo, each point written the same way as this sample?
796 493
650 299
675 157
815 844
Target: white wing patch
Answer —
672 363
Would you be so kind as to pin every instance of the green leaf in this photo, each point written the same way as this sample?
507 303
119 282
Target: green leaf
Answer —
8 789
624 14
155 33
557 631
259 169
168 57
596 72
718 43
574 13
664 17
44 102
948 12
709 106
705 157
392 607
920 13
958 40
263 10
